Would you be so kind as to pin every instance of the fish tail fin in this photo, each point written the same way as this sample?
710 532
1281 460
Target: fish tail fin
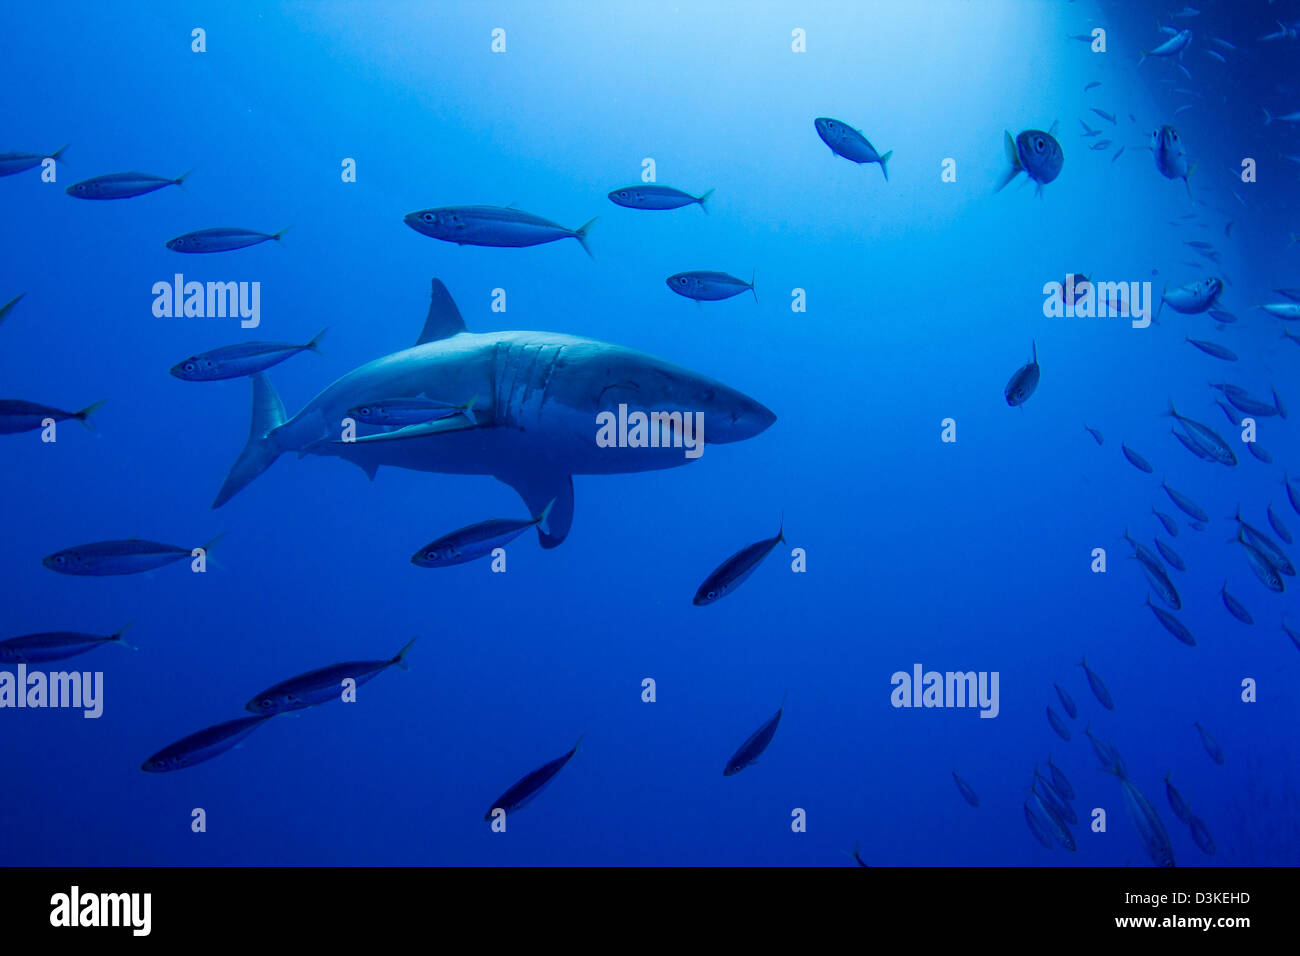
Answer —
468 410
261 449
1268 117
208 547
314 344
704 199
117 638
279 236
753 274
1163 293
400 658
780 534
83 416
577 742
884 167
1034 344
57 155
1013 156
543 520
1187 181
180 180
581 235
1142 58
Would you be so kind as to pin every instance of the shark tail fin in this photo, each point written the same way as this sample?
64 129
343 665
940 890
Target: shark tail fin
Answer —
581 235
400 659
261 449
884 167
703 200
1268 117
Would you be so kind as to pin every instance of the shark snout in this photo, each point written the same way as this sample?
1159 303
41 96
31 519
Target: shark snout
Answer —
737 419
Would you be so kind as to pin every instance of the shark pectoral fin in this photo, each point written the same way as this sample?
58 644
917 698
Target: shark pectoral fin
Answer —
539 490
444 319
423 430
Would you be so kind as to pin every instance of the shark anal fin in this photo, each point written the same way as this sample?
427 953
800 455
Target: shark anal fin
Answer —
444 319
538 489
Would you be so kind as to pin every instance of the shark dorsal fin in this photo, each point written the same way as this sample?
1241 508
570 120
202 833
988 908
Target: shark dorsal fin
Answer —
443 320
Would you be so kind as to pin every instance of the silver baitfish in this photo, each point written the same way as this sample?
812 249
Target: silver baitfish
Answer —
236 361
497 226
749 752
17 415
477 540
121 185
321 685
204 745
651 196
733 572
130 556
221 239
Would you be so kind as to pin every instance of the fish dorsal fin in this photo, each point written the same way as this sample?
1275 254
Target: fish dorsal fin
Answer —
444 319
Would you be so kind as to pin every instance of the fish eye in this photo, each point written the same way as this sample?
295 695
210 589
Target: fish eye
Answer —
365 410
431 555
711 595
1041 144
427 217
189 366
268 704
60 559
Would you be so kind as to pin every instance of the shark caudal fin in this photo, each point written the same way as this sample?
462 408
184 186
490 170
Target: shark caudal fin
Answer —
261 450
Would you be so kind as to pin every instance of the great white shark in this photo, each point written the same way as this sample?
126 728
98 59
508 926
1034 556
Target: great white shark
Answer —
536 398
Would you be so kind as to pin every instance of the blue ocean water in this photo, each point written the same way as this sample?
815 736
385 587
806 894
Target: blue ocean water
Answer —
922 297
